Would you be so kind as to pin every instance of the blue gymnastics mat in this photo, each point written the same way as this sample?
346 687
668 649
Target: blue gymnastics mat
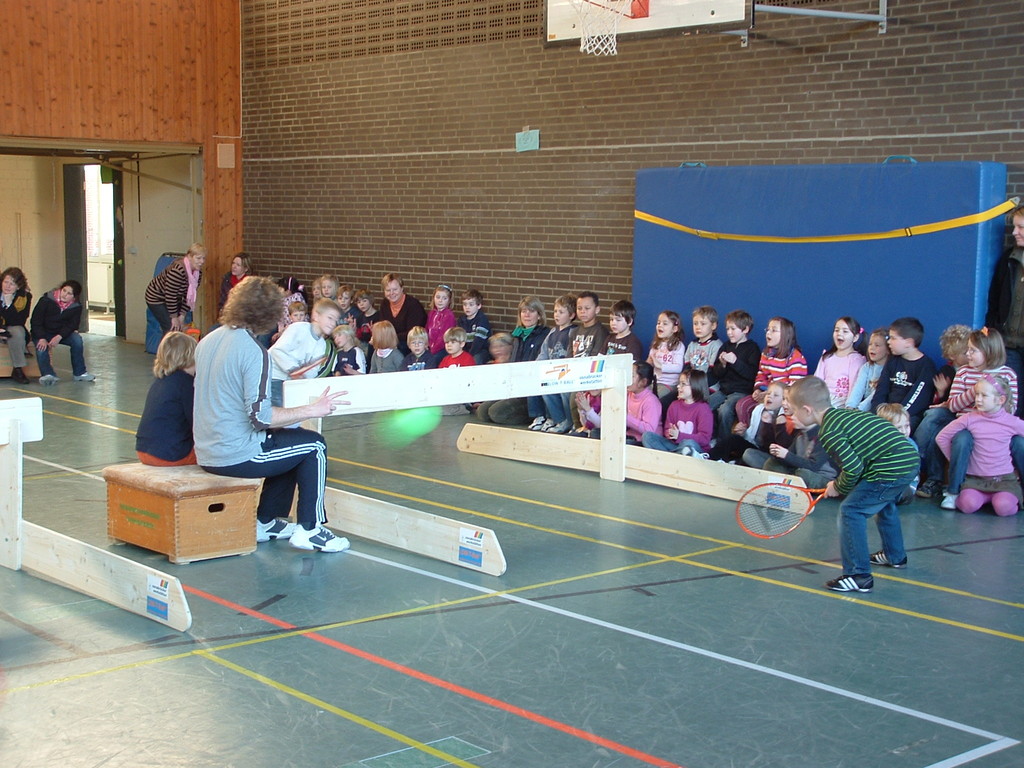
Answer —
940 277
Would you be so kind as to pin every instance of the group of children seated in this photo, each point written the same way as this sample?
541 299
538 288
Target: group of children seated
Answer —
709 398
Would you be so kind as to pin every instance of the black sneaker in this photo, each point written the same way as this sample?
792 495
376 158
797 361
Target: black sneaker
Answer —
863 583
929 489
880 558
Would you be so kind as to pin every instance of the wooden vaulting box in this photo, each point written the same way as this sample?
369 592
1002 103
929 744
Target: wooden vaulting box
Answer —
184 512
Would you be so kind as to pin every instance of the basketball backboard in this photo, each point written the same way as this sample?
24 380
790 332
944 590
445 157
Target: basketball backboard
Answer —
652 17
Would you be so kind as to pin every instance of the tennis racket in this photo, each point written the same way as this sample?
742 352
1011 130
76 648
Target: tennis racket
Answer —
774 509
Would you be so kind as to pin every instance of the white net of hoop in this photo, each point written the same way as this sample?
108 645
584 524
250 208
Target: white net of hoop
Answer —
599 24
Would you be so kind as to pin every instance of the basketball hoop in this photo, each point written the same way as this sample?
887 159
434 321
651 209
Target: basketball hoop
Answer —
599 24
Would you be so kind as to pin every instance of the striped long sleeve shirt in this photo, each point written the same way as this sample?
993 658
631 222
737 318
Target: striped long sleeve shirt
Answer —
863 446
784 370
961 391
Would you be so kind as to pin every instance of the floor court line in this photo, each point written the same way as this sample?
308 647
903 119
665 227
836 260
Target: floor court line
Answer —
816 591
610 518
343 713
659 555
640 524
999 742
447 685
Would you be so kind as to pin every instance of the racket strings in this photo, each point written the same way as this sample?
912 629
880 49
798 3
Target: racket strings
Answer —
771 511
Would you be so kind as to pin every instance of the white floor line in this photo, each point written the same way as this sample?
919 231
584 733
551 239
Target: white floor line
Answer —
999 742
90 475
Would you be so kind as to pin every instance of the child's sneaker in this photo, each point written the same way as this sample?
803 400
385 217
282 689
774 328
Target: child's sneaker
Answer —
538 423
948 501
560 428
863 583
85 377
929 489
880 558
275 529
320 539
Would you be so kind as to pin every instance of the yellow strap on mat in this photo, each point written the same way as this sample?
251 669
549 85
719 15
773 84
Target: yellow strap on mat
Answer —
920 229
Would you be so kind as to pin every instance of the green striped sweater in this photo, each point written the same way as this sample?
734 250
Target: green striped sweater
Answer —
864 446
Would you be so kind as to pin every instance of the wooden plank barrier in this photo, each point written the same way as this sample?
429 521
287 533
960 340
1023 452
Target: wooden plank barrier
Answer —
672 470
71 563
412 530
442 538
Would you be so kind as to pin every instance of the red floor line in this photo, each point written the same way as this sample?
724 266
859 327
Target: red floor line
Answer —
445 684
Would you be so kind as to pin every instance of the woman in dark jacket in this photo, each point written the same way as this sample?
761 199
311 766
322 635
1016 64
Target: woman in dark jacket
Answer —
55 320
526 340
15 302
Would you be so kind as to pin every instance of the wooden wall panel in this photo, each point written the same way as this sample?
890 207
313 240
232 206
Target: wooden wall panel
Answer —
132 71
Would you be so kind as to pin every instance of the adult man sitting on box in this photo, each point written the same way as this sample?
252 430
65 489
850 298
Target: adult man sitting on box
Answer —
239 433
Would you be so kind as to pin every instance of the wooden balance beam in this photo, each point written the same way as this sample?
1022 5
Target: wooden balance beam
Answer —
442 538
66 561
672 470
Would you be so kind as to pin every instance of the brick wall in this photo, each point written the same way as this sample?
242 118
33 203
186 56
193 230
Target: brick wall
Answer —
363 155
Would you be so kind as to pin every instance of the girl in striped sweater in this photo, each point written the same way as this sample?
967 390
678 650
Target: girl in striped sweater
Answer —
781 361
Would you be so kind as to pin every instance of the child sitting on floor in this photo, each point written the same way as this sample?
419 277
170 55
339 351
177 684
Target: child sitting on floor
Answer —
689 423
991 476
350 357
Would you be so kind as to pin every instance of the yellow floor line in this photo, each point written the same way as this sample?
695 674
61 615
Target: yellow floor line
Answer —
343 713
649 526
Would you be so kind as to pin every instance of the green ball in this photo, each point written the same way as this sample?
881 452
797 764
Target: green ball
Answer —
400 428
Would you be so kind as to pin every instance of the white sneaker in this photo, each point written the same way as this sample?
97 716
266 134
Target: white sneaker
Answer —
948 501
560 428
275 529
538 423
320 539
48 380
85 377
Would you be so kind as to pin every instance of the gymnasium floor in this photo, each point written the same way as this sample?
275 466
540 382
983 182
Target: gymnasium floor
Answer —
635 626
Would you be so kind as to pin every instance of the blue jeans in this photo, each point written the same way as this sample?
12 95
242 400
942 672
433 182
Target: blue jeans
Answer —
960 454
866 499
931 457
557 407
74 341
534 406
662 443
288 457
724 407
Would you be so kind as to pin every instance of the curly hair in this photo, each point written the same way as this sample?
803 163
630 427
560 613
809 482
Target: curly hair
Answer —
17 276
255 303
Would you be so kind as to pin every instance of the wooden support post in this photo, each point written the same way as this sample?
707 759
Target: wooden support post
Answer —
11 526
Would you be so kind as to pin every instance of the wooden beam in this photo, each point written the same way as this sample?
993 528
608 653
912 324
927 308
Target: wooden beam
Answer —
421 532
671 470
66 561
101 574
391 391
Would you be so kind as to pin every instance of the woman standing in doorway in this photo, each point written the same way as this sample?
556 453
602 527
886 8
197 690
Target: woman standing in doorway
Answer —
172 294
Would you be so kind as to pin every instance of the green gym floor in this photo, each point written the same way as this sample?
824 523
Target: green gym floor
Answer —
635 626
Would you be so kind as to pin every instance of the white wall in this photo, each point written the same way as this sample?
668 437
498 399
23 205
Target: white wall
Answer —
32 224
166 226
32 219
